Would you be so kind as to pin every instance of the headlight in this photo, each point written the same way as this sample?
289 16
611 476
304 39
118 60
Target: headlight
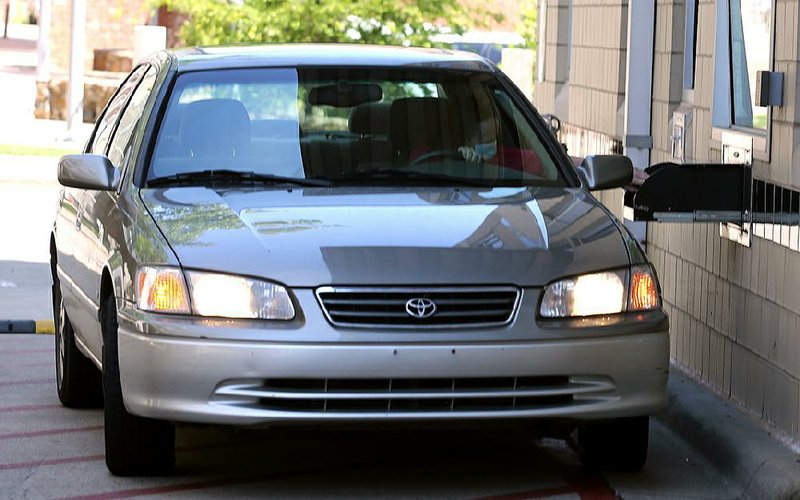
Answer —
237 297
609 292
162 289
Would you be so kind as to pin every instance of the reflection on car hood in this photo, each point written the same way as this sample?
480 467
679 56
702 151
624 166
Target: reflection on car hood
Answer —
389 236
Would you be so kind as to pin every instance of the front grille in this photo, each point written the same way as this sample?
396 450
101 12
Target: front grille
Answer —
403 396
386 307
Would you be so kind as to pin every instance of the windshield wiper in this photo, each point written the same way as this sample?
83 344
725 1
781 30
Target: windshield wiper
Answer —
233 177
399 173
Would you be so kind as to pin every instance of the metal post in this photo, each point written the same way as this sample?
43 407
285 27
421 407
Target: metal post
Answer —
43 45
639 91
5 22
76 64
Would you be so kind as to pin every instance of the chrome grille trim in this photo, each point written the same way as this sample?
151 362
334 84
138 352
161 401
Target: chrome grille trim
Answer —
415 397
355 306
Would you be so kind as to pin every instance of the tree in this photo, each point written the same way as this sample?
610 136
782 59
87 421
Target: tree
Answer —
393 22
528 23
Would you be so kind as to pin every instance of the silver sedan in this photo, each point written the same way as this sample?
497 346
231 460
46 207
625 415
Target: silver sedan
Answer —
332 234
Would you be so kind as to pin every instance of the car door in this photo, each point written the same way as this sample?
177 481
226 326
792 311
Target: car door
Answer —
84 316
99 207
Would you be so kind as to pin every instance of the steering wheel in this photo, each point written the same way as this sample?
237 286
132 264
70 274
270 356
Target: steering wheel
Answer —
435 155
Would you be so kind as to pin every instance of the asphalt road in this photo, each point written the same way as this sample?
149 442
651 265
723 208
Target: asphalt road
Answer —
47 451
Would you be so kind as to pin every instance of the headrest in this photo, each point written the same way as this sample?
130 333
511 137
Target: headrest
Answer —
370 118
215 127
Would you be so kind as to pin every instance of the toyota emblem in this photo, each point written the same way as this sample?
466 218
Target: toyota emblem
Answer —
421 308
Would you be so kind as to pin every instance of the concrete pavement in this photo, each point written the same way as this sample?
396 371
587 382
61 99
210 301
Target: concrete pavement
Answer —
28 197
751 458
47 451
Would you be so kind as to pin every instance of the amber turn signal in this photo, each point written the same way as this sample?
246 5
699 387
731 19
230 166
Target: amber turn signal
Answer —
644 291
162 290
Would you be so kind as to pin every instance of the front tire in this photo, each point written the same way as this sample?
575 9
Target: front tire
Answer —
619 444
135 446
78 381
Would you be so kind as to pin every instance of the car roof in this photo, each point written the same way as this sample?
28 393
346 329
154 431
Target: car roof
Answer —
334 54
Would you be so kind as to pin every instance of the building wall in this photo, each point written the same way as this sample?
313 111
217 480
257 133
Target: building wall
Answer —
585 50
109 25
734 310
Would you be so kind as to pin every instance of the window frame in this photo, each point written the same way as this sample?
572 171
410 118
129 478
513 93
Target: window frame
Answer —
91 141
723 115
150 70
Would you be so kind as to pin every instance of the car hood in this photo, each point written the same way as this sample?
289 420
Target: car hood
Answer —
389 236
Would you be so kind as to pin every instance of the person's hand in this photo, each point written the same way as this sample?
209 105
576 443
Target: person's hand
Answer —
470 154
639 176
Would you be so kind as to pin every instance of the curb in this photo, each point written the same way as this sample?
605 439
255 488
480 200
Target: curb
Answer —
16 326
756 463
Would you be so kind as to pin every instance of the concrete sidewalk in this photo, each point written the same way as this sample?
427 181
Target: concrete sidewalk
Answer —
754 463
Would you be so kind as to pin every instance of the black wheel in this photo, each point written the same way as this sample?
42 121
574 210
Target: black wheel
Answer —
615 445
78 381
135 446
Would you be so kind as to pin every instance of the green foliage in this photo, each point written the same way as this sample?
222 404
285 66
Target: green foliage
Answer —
24 150
528 23
393 22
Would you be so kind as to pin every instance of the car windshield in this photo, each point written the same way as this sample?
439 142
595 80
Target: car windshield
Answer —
351 126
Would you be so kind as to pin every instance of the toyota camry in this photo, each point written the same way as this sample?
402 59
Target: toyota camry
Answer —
332 234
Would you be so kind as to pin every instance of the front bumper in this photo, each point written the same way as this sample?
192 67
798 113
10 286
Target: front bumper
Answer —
255 382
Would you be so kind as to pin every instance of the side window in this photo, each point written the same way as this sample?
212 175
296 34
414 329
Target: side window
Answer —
751 42
743 47
121 143
102 132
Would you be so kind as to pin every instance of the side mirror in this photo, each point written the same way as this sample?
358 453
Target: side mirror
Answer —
606 171
554 122
93 172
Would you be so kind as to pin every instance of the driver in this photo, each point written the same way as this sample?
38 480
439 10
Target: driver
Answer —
483 145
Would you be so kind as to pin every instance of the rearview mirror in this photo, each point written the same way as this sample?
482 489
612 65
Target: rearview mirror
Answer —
606 171
345 94
93 172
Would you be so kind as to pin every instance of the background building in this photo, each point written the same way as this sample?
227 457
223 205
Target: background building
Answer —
676 80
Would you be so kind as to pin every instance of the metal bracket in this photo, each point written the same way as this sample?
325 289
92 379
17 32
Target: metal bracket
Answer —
639 141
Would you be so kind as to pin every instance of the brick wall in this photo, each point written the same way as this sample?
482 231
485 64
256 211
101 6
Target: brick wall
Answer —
597 69
734 310
584 76
109 25
667 74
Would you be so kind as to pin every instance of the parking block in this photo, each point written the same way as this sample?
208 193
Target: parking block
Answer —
27 326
